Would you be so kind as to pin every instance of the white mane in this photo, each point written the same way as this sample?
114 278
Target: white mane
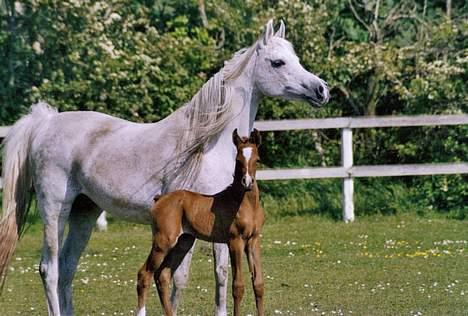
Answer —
207 114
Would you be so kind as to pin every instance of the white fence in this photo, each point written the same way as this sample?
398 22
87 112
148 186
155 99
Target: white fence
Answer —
347 171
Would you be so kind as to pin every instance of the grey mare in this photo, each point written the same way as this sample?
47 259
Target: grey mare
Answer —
79 163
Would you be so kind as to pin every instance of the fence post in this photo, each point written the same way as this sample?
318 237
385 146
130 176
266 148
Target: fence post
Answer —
347 163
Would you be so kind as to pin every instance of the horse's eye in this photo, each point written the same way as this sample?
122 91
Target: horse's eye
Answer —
277 63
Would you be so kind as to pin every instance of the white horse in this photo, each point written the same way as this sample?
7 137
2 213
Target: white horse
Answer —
79 163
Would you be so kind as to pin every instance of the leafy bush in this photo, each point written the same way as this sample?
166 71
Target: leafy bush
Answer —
140 60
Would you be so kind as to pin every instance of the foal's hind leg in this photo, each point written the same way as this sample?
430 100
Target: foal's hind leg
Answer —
81 222
171 264
145 276
153 266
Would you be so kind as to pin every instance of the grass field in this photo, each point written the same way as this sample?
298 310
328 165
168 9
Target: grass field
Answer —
395 265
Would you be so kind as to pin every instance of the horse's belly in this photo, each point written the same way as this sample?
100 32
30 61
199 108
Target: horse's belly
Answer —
124 204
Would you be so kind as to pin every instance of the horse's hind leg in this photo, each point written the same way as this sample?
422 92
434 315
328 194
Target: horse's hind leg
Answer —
54 214
81 222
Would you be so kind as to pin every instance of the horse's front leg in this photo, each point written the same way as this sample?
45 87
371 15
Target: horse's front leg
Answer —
221 262
180 280
236 248
255 266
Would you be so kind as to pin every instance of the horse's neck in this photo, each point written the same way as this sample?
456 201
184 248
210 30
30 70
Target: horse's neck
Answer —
245 105
219 158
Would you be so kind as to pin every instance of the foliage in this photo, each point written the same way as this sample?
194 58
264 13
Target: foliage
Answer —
142 59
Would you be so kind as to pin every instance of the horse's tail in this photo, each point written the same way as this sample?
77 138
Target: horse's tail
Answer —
17 180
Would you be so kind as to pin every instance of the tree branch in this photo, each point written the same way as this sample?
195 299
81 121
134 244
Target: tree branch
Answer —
356 15
222 38
349 99
201 10
375 23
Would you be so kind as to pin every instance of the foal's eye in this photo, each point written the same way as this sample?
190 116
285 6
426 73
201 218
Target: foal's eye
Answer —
277 63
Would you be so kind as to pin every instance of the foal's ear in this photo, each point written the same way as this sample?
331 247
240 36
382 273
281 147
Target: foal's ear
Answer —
255 137
235 138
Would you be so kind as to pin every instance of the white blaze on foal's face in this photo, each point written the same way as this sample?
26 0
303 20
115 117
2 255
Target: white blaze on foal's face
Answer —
247 153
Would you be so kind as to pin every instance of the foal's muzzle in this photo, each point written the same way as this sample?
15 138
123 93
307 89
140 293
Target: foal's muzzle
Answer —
247 182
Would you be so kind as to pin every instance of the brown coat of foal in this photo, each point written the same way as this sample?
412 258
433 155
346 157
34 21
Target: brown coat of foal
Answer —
232 216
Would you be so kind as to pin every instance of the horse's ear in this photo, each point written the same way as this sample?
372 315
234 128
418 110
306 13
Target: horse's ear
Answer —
255 137
269 31
235 138
281 31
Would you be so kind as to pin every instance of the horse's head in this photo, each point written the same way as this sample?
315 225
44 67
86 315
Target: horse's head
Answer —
279 73
247 157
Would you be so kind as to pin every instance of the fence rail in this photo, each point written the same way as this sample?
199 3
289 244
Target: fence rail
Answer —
363 171
3 131
347 171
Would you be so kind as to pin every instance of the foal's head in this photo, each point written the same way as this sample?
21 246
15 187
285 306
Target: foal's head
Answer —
247 157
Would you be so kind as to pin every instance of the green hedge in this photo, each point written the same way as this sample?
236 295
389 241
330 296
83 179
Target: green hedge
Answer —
140 60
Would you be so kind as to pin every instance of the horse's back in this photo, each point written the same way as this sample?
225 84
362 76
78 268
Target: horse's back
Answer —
101 156
69 136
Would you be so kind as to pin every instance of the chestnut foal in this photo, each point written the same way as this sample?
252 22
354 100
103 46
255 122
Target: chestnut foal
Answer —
232 216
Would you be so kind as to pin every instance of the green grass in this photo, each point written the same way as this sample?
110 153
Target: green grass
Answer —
380 265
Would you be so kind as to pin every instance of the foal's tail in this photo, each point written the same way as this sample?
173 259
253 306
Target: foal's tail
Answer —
17 180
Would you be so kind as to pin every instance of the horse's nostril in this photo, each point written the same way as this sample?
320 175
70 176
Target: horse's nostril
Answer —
319 92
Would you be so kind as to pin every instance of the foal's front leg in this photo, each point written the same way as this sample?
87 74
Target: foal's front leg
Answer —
255 267
236 248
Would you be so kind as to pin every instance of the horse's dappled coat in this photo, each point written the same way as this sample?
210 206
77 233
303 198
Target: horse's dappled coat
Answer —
83 162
